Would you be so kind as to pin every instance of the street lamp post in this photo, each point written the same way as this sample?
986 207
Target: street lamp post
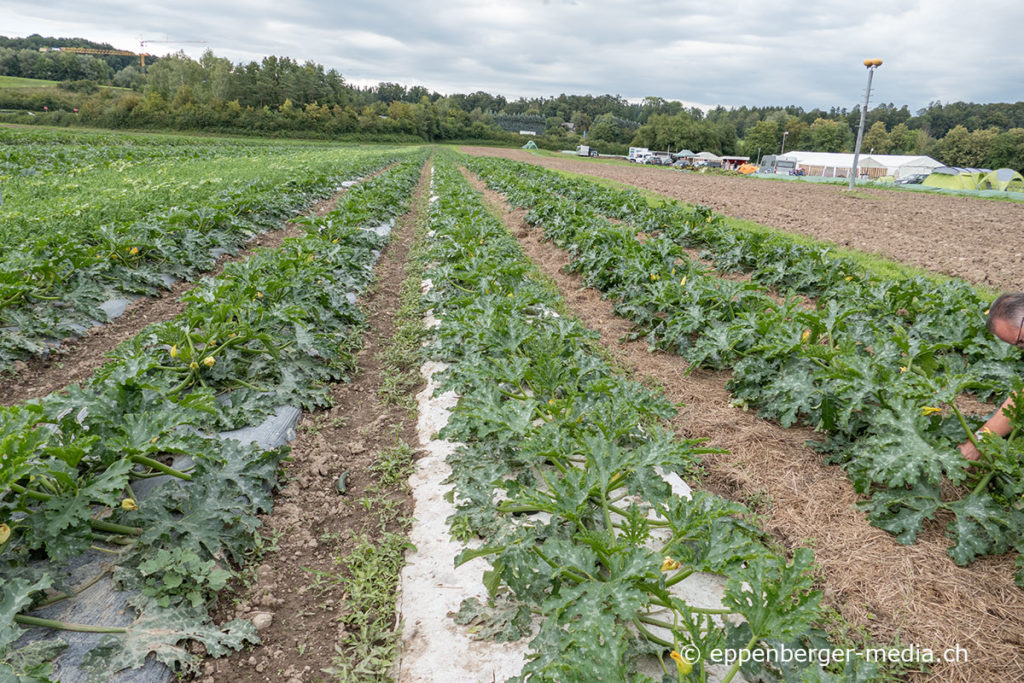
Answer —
871 65
784 134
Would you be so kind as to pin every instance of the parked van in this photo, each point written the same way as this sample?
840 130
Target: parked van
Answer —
772 163
638 154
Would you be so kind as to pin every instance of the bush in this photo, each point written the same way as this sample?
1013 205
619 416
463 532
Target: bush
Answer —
83 86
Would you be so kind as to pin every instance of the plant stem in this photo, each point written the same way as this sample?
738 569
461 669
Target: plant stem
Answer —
650 636
736 667
100 525
654 622
17 488
117 540
65 626
247 385
104 550
572 574
159 466
983 483
963 423
77 589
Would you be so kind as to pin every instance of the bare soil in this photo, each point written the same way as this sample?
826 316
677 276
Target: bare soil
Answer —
75 360
974 239
899 594
315 526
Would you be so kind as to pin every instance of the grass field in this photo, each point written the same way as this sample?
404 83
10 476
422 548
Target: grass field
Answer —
16 82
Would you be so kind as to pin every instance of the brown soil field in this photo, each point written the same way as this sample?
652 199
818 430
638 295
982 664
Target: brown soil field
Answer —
974 239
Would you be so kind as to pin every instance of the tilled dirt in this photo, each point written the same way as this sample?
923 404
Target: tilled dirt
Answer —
913 595
974 239
316 527
75 360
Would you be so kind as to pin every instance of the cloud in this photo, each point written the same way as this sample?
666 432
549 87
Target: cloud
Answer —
730 53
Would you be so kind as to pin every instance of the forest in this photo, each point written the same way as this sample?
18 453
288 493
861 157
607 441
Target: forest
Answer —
280 96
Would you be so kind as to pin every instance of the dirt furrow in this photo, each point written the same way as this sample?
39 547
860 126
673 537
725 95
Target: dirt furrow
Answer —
326 548
911 595
75 361
975 239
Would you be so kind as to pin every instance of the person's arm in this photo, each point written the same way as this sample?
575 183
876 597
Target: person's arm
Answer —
998 424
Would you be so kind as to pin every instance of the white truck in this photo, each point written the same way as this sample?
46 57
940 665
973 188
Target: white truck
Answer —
639 154
586 151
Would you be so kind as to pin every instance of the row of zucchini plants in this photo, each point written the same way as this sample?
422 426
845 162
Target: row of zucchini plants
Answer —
52 285
559 482
877 366
67 153
271 330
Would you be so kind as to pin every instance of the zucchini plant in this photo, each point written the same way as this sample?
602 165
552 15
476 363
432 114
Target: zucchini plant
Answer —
877 366
561 475
271 330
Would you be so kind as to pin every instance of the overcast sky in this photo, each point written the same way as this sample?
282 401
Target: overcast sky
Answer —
730 52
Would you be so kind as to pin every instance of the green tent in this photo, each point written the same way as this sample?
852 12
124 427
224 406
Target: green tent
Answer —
530 144
954 178
1004 179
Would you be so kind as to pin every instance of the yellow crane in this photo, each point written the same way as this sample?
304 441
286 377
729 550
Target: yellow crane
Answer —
126 53
94 51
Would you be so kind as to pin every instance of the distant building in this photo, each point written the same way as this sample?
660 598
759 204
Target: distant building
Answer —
527 132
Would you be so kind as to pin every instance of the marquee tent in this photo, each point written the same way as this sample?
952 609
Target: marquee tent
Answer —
838 165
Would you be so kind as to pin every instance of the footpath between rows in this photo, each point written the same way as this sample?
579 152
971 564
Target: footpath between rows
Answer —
323 595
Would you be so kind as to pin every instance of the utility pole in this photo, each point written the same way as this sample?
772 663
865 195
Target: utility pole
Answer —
783 150
871 65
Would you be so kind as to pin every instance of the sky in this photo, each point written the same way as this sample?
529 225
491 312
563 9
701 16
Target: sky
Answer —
701 52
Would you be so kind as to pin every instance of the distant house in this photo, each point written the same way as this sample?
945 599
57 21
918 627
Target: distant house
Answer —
527 132
839 165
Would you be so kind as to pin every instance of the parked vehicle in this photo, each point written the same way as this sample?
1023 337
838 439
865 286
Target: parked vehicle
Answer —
659 159
636 154
912 179
586 151
772 163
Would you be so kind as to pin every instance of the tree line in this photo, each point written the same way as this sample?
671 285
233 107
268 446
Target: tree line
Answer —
281 96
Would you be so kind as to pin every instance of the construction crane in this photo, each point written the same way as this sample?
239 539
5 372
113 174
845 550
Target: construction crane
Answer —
93 51
127 53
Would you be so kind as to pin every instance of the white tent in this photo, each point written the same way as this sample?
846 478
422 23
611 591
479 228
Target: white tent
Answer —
838 165
901 166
